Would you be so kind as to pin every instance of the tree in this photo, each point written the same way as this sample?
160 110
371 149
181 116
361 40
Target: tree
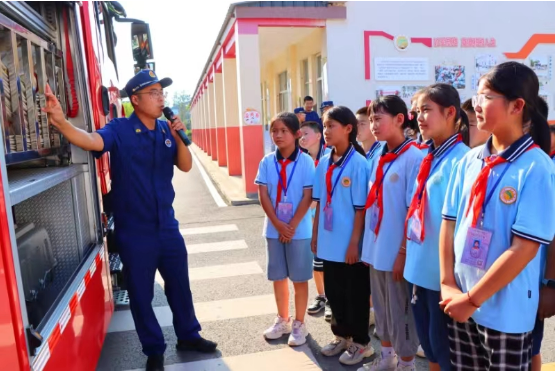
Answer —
182 104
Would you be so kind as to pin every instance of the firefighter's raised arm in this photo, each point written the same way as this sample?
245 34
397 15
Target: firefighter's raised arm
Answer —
80 138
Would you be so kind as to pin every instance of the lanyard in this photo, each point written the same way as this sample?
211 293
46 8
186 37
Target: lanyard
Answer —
489 196
331 192
285 187
436 166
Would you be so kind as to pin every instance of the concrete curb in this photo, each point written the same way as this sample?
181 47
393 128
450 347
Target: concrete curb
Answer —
230 188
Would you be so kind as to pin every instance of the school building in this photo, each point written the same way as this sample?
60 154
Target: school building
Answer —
270 54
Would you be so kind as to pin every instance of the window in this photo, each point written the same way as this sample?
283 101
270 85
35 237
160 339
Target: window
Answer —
320 87
305 77
283 96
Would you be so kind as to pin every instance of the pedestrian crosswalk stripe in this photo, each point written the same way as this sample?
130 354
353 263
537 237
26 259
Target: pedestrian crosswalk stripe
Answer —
206 312
208 229
216 247
219 271
285 359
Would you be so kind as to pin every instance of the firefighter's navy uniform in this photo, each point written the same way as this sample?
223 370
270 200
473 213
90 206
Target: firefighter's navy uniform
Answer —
146 230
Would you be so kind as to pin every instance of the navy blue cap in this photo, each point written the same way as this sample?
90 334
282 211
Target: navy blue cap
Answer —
299 110
143 79
326 104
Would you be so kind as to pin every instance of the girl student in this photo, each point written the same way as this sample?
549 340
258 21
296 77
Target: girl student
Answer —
392 178
501 194
372 149
285 180
476 137
442 120
340 191
311 140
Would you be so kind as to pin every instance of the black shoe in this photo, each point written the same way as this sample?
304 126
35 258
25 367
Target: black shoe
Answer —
317 305
155 363
201 345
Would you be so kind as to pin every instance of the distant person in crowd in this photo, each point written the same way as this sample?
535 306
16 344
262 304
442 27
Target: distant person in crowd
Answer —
300 113
325 106
477 137
311 141
285 180
311 115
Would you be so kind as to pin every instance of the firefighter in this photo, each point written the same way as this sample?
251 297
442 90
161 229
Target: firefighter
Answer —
143 152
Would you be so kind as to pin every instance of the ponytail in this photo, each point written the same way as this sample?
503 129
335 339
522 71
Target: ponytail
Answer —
539 130
462 126
345 117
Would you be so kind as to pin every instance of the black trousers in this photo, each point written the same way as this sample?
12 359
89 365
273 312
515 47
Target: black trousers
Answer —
348 290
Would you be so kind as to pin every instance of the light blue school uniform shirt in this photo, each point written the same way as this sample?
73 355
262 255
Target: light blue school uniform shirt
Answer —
381 251
544 248
301 180
522 204
322 152
422 265
349 195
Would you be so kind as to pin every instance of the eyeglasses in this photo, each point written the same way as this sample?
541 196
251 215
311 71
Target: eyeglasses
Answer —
479 99
156 94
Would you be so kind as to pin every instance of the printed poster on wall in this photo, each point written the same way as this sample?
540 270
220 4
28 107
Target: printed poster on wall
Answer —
453 75
484 62
251 117
408 91
400 69
388 91
542 65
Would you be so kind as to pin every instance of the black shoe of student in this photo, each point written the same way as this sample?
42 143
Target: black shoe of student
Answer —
155 363
201 345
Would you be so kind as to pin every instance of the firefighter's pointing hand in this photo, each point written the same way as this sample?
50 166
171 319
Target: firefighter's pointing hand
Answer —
53 108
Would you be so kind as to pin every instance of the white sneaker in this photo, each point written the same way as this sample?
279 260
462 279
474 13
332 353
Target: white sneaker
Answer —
356 353
280 327
299 334
371 318
335 347
421 352
401 367
381 364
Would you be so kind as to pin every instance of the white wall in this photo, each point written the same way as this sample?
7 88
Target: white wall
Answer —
510 23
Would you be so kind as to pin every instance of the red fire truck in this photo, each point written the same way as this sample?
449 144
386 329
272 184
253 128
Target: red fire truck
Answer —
58 268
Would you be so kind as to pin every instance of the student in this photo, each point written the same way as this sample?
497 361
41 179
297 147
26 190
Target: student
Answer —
340 191
546 294
311 141
300 113
325 106
372 149
393 176
476 137
311 115
502 194
285 180
368 141
441 119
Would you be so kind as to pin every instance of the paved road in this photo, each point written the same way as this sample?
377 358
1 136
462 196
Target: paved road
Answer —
233 299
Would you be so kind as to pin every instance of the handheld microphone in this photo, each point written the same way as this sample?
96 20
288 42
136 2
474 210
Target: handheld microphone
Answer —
169 114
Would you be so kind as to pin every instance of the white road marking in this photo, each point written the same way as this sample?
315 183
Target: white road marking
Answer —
208 229
219 271
215 195
216 247
206 312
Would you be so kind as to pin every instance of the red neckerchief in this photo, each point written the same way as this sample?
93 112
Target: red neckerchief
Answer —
420 197
283 175
375 195
479 188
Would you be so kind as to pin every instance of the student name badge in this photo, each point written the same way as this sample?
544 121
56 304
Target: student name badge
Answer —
328 218
415 227
373 220
284 212
477 244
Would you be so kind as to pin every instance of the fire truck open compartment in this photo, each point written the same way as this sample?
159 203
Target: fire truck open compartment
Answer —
52 187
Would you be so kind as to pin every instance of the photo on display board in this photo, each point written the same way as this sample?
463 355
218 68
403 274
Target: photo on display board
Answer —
408 91
453 75
541 65
484 62
382 91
